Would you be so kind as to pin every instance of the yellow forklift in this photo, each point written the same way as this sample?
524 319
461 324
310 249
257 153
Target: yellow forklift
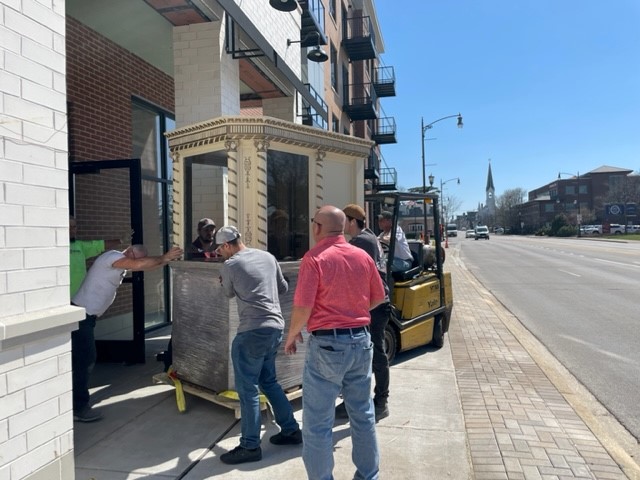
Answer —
421 297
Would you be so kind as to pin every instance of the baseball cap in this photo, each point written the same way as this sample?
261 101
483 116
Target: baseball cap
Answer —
226 234
354 211
206 222
386 214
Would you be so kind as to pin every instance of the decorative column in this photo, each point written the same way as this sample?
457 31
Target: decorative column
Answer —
318 199
178 215
232 207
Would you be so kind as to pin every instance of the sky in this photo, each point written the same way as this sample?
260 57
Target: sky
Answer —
544 86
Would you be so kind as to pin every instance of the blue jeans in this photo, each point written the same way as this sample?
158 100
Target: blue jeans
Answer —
337 363
83 358
254 366
400 265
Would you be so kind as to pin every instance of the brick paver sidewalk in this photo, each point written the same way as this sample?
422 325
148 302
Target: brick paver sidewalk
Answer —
519 426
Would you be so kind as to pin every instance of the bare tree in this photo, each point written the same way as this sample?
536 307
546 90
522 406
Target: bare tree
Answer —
451 204
507 206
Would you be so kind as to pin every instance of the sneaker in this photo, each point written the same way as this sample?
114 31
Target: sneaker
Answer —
341 411
86 415
381 411
241 455
294 438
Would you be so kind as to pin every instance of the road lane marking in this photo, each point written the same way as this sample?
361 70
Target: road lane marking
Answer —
569 273
616 263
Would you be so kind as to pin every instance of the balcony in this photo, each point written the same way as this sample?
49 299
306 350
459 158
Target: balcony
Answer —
359 39
388 179
361 104
371 174
312 23
384 82
310 116
384 131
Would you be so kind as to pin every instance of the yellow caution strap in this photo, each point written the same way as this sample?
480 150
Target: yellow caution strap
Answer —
180 401
233 395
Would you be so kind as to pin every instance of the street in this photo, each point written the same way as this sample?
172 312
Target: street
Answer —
579 297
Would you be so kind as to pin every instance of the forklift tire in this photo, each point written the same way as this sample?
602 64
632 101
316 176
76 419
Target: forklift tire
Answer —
438 332
390 342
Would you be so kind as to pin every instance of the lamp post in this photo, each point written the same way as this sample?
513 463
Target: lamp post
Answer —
423 129
442 184
579 215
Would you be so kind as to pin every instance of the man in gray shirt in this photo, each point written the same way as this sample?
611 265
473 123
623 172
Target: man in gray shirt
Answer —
254 277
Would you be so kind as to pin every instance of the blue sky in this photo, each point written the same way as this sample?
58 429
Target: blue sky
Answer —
543 86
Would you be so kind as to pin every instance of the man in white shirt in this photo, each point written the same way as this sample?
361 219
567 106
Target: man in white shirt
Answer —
402 258
96 294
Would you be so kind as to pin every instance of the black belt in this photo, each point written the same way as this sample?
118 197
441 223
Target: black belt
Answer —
340 331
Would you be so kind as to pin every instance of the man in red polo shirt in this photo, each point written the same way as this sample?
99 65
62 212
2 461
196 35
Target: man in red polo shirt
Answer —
338 284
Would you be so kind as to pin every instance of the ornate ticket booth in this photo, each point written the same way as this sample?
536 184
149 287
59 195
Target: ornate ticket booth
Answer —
266 177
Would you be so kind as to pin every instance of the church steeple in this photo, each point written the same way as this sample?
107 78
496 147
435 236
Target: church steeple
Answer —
491 193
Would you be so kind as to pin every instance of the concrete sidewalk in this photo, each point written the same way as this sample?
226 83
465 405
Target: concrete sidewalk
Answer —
480 407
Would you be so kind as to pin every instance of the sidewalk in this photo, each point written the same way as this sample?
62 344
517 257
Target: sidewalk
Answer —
478 408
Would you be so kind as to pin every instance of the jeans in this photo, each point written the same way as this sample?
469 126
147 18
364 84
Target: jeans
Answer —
83 358
333 364
400 265
379 320
254 366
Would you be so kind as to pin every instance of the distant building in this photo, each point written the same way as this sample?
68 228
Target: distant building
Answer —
604 195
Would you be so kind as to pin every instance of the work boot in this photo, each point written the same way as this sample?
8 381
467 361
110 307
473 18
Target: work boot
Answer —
241 455
293 438
86 415
381 410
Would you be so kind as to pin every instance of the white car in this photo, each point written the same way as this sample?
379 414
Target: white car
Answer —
481 232
469 234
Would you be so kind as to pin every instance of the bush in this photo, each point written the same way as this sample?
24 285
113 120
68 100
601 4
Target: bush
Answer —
566 231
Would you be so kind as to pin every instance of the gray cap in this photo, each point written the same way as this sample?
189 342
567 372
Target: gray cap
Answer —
386 214
226 234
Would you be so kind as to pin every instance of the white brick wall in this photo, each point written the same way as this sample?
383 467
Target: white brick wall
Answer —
36 425
206 77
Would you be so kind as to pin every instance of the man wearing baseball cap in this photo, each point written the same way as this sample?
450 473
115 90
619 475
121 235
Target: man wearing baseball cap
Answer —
254 277
365 239
203 246
402 258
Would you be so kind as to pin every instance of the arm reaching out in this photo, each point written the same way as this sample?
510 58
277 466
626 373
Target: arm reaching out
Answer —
136 263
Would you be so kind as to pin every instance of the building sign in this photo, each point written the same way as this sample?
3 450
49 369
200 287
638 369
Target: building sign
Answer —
614 209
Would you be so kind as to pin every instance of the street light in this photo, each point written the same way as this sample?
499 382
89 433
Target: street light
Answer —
579 217
423 129
442 194
442 184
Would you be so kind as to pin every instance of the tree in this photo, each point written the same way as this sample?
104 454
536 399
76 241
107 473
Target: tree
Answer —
507 207
451 205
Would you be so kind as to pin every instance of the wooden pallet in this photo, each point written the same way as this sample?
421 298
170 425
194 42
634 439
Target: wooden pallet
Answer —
210 395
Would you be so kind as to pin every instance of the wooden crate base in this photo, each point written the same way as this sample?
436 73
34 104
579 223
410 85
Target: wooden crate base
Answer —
291 393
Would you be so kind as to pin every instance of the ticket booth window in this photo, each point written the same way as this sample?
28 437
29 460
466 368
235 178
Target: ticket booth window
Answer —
288 205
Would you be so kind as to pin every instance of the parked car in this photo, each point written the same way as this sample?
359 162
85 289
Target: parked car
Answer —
469 234
481 232
616 229
591 230
633 229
